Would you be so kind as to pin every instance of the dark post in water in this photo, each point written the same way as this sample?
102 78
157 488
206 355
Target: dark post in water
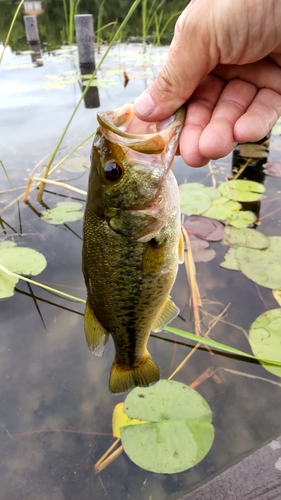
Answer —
32 37
84 27
30 23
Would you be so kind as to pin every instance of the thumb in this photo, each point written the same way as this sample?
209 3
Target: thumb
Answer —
192 55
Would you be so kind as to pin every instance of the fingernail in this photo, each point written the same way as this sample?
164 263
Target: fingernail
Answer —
144 104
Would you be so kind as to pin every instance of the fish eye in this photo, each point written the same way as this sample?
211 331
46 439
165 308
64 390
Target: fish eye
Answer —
112 171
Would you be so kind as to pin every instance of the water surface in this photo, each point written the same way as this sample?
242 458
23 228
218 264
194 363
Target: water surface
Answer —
55 412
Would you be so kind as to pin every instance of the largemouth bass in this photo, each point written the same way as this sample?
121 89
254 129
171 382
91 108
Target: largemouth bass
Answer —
132 241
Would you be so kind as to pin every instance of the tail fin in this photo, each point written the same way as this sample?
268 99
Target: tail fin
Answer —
123 378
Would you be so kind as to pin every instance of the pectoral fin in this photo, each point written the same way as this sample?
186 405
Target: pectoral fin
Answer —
181 249
168 312
96 335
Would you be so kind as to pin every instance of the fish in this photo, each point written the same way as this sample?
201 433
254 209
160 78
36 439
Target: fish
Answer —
132 242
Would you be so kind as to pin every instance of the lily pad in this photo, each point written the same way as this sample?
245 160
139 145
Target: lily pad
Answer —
262 266
194 199
277 128
121 419
265 338
230 260
101 82
179 433
241 219
65 211
201 251
245 237
53 85
252 150
19 260
76 164
222 209
205 228
277 296
273 168
242 190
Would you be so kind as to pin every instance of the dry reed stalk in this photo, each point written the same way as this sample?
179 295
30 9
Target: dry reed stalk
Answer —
106 458
54 183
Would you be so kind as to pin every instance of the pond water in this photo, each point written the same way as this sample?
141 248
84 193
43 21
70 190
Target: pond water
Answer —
56 409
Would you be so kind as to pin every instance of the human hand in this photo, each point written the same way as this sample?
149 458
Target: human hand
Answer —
225 62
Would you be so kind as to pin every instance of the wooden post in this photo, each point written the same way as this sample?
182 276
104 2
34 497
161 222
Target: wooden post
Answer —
84 27
31 29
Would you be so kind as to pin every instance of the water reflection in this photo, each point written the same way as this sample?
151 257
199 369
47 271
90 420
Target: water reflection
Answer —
248 160
91 98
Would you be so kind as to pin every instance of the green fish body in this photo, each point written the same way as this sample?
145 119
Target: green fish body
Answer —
132 242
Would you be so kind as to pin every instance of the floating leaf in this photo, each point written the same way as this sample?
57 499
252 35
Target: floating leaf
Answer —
204 227
252 150
65 211
52 77
241 219
19 260
277 296
194 199
222 209
242 190
273 168
230 261
245 237
277 128
265 338
101 82
262 266
71 79
53 85
7 285
76 164
179 434
200 250
121 419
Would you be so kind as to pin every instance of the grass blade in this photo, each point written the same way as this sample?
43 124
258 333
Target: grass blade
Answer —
219 346
53 155
10 29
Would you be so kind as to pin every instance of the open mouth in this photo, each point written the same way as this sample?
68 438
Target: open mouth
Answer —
141 136
129 123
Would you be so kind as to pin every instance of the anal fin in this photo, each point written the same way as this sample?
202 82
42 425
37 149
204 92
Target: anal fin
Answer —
168 312
96 334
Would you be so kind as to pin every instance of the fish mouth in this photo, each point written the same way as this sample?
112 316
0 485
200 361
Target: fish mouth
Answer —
149 138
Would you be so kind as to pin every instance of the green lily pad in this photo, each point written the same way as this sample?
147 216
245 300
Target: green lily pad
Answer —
245 237
194 199
265 338
19 260
179 433
252 150
262 266
65 211
53 85
101 82
241 219
230 261
277 128
222 209
242 190
277 295
76 164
